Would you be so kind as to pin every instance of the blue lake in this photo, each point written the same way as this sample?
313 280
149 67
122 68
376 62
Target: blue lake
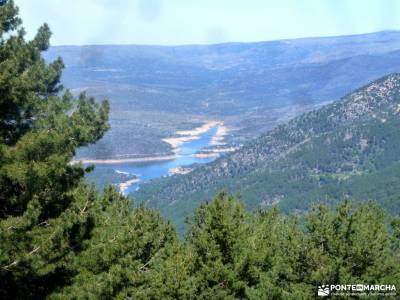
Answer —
151 170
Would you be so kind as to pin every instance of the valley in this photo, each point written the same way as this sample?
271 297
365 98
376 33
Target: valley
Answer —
156 92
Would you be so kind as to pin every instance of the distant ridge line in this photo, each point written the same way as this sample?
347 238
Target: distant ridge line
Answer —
233 42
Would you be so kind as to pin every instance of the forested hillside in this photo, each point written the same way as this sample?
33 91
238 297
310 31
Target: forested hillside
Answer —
347 149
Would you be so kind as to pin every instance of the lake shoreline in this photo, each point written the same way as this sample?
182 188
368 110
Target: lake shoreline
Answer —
123 186
183 136
127 160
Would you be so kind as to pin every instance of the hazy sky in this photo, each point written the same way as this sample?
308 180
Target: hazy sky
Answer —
174 22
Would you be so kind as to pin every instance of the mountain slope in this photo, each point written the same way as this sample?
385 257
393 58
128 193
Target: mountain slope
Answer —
334 152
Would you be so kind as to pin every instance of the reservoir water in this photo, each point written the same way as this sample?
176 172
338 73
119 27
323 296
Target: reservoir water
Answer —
151 170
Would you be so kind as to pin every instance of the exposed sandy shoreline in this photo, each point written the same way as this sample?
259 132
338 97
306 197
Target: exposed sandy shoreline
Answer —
189 135
182 137
124 185
126 160
218 138
175 142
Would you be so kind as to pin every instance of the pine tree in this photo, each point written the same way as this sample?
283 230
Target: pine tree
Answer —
121 257
274 258
44 202
351 245
231 254
216 234
58 237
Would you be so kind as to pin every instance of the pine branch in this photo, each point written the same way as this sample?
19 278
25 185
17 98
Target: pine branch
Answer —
15 262
148 262
84 208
